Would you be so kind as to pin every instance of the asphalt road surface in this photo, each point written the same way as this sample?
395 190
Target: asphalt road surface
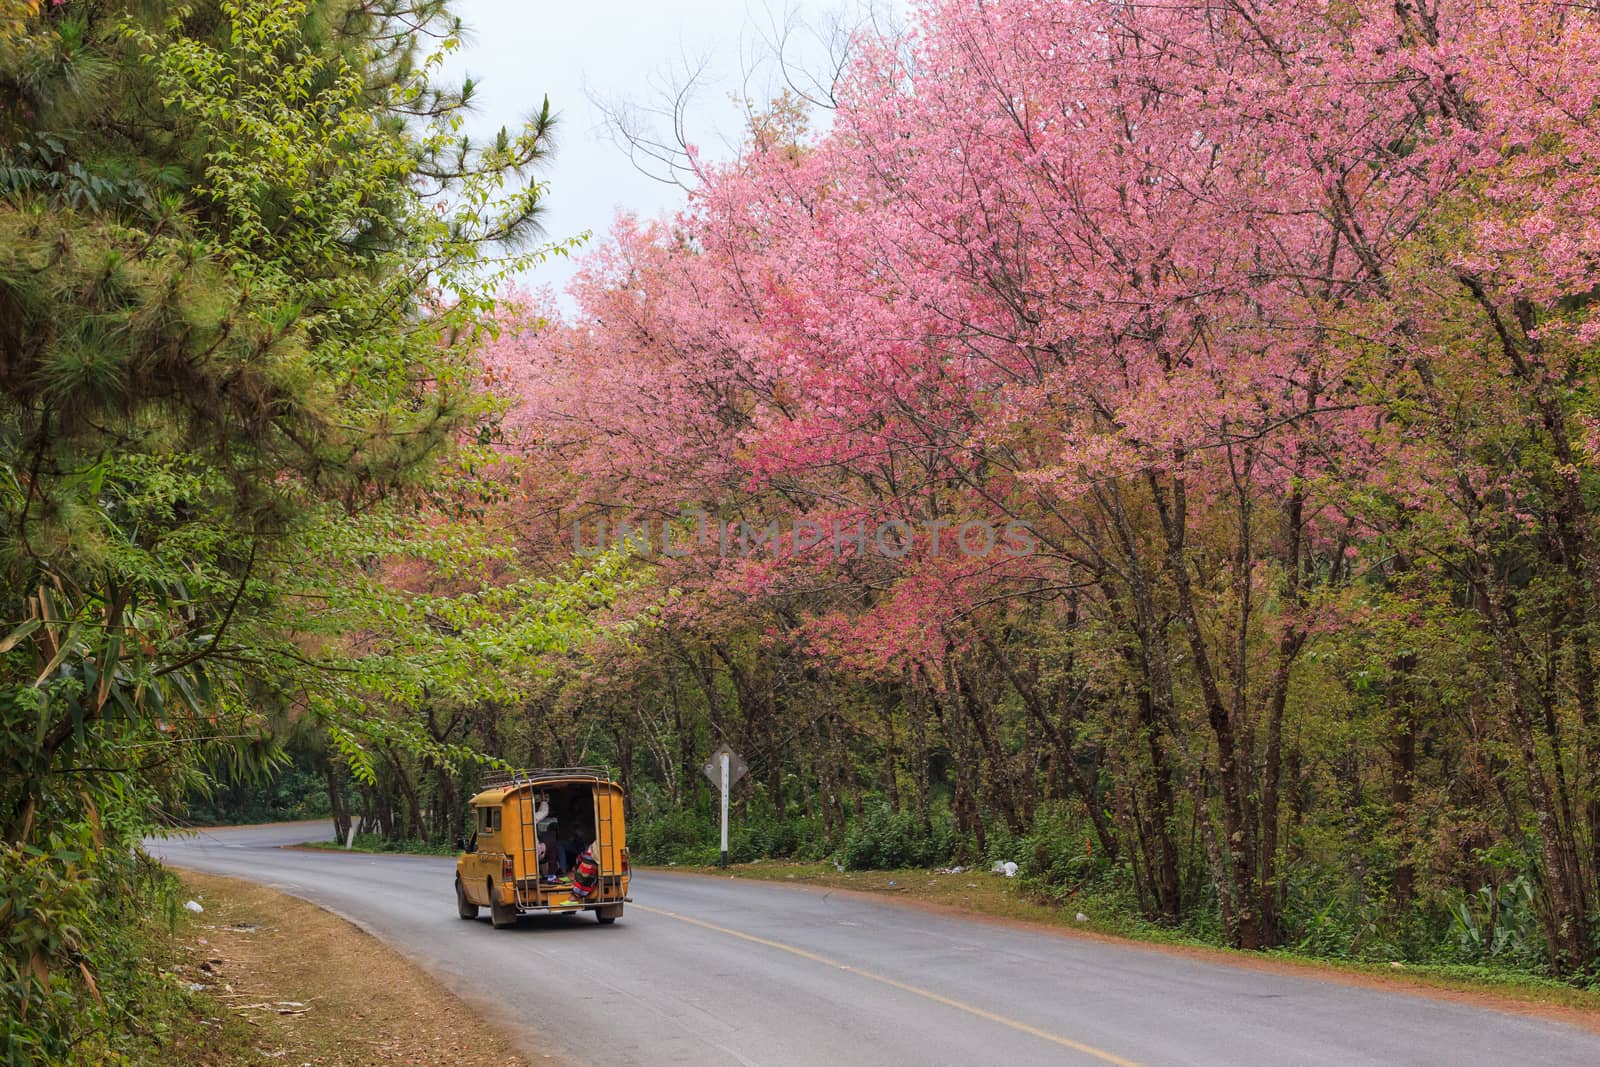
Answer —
714 971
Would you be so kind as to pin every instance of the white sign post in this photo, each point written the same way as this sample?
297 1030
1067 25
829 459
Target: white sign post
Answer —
724 769
724 761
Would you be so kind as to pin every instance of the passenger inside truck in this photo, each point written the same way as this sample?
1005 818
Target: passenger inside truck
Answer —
548 831
568 831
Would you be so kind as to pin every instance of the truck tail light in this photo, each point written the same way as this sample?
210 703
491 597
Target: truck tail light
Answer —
507 871
624 859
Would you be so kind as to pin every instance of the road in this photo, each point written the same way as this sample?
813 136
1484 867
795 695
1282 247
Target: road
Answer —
713 971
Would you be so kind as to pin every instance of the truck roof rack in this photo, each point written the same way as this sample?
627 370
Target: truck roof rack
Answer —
496 779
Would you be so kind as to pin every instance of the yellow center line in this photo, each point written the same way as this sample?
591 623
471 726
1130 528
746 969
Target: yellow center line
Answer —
904 987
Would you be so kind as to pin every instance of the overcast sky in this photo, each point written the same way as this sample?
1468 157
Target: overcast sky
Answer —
520 50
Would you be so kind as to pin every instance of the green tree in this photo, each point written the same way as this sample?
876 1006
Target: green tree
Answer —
245 254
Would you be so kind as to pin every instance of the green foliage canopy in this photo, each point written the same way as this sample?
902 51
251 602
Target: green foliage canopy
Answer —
246 252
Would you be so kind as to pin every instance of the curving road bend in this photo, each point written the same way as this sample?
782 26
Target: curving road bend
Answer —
712 971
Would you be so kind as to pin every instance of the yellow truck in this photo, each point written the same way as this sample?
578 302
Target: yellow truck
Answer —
546 842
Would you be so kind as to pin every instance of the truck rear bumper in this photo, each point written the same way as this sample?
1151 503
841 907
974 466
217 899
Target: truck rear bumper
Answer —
561 909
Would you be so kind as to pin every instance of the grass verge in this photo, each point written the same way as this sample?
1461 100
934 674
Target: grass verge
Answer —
376 843
992 896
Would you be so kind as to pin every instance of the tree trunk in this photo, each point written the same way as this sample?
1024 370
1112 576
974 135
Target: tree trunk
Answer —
336 804
1402 776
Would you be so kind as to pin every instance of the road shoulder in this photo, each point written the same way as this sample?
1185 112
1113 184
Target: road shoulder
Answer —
281 980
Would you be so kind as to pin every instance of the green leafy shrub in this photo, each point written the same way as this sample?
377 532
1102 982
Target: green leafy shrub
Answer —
74 988
883 839
770 838
691 838
1055 853
670 837
1500 924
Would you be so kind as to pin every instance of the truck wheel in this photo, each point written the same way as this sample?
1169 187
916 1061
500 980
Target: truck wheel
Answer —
608 914
464 907
500 915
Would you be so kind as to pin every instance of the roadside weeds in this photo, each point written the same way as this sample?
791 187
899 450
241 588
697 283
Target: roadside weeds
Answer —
375 845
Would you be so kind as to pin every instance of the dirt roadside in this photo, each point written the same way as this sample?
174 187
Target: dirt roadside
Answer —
293 984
